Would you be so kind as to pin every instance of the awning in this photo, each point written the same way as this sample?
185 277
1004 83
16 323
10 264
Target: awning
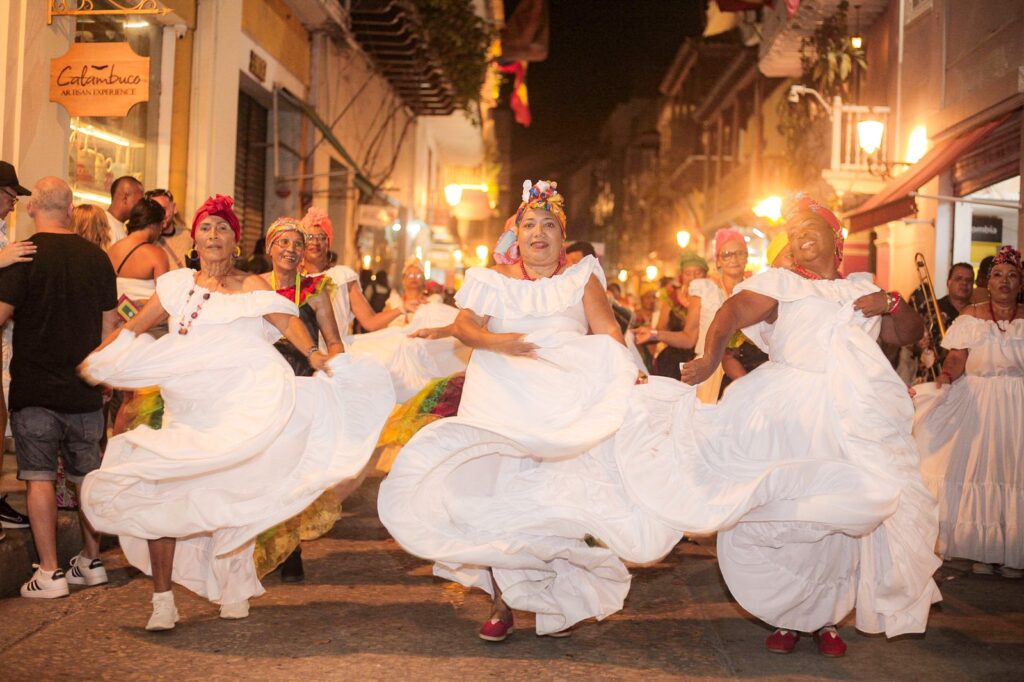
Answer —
895 200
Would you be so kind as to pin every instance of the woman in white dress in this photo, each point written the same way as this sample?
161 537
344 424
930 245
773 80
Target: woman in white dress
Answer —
137 260
244 445
417 346
969 427
807 467
347 296
540 407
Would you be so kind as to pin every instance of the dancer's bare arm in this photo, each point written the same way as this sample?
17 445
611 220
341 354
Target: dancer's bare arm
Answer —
741 310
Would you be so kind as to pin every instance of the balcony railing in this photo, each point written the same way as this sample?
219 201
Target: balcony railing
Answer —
846 152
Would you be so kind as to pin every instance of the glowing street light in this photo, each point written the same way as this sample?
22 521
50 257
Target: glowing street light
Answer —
457 255
366 262
652 272
869 135
623 275
481 253
917 145
453 194
683 238
769 208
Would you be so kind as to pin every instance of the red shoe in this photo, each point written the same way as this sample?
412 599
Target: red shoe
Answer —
495 630
782 641
830 643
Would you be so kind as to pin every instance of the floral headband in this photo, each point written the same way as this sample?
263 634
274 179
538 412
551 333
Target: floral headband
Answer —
315 217
544 196
1007 254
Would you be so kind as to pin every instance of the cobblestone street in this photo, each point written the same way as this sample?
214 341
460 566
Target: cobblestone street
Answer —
368 610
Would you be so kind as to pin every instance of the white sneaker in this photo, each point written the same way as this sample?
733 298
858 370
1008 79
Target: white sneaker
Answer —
45 584
980 568
165 613
1012 573
85 571
235 611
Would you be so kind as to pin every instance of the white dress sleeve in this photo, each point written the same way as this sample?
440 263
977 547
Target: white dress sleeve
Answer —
488 292
966 331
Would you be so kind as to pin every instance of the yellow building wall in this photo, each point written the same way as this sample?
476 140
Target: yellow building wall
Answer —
178 173
272 25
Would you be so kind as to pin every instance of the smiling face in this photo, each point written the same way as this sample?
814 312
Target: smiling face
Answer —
287 250
811 241
215 240
316 244
1004 283
540 237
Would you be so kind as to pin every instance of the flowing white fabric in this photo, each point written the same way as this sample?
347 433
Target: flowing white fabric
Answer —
135 289
244 445
807 469
971 437
411 362
526 471
342 276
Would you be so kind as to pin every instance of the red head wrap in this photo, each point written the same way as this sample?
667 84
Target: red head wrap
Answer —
802 203
220 206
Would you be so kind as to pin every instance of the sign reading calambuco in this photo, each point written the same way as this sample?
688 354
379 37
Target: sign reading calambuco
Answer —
99 79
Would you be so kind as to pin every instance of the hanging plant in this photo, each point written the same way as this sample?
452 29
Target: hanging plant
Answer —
460 39
827 60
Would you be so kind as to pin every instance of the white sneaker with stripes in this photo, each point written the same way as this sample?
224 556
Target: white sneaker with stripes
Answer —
85 571
45 584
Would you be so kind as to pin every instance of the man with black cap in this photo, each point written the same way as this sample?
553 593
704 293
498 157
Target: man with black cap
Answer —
10 190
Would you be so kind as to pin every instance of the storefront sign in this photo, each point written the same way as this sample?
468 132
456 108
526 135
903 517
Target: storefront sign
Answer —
99 79
986 228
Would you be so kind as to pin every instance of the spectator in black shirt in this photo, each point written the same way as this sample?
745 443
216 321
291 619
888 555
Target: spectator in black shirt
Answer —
63 304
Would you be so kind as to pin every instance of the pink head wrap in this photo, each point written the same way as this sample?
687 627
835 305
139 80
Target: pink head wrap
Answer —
724 236
220 206
1007 254
803 203
316 218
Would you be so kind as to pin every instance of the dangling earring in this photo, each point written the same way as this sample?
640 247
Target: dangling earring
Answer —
238 252
192 254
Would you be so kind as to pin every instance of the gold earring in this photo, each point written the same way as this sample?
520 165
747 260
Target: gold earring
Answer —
238 252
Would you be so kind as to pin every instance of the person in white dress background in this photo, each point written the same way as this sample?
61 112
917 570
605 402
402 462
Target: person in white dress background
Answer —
417 346
503 496
347 296
807 467
969 426
244 443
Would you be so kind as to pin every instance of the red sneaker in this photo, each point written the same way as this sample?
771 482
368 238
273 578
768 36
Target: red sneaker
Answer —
830 643
782 641
496 630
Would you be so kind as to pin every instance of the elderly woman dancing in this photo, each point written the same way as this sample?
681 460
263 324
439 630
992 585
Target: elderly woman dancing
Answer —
541 404
806 468
245 444
970 431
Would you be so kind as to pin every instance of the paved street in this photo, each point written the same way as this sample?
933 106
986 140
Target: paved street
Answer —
368 610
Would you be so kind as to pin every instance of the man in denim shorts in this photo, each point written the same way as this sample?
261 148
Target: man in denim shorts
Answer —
63 304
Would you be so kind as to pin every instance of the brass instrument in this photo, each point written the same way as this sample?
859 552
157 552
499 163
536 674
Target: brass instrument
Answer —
927 306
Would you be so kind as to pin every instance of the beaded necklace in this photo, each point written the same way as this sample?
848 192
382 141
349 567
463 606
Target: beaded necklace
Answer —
992 312
808 274
186 320
526 275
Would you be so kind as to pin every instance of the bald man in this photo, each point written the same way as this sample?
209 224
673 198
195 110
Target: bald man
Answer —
63 304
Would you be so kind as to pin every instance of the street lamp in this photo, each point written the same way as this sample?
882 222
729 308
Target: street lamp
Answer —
652 272
869 139
457 255
869 135
453 194
481 253
623 275
683 238
769 208
366 261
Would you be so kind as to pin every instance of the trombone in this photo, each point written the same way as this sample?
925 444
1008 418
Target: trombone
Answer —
927 306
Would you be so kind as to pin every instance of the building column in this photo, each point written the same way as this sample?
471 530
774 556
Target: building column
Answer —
213 114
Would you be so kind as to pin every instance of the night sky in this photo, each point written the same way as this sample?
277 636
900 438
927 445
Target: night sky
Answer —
601 53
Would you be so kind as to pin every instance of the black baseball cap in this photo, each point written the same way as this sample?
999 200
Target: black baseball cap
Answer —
9 178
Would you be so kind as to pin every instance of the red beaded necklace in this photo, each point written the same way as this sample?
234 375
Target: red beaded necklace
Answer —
808 274
526 275
992 312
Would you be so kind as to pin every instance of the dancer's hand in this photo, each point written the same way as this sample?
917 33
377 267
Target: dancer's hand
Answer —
432 333
16 252
641 378
515 344
697 371
644 334
872 305
318 361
